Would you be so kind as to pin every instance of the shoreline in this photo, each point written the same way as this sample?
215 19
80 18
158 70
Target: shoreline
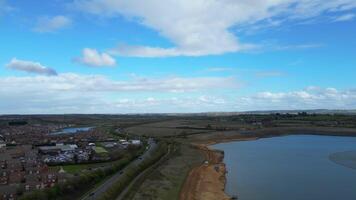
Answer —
202 184
206 181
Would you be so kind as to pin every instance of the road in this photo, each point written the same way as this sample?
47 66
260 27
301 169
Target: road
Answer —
97 192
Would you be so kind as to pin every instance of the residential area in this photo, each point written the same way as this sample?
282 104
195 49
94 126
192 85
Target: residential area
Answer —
35 157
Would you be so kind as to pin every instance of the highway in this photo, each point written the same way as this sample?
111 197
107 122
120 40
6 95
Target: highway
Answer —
100 190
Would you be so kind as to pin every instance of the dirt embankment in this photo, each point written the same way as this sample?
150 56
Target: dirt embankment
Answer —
206 182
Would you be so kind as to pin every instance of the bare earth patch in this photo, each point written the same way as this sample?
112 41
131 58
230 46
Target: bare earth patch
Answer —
206 182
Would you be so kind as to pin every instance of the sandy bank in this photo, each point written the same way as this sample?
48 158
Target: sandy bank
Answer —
206 181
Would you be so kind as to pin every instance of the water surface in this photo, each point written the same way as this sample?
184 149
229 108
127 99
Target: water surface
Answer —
290 167
72 130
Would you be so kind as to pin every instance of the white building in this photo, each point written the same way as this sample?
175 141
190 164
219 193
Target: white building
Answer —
136 142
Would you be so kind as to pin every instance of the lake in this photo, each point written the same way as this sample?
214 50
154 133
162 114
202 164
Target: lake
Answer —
300 167
72 130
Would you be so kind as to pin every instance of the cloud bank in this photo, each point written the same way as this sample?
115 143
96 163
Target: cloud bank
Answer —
309 98
203 27
73 93
68 93
97 83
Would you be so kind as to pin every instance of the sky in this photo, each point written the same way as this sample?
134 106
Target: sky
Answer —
176 56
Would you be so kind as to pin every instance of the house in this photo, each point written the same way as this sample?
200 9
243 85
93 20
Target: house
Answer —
136 142
2 144
16 177
14 165
91 144
4 177
109 144
21 170
33 181
8 192
57 149
51 150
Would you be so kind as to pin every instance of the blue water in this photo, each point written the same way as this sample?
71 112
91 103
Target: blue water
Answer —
289 168
72 130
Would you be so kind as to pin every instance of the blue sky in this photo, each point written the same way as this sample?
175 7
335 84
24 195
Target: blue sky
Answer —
132 56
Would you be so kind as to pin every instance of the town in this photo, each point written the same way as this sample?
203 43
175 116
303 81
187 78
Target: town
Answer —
36 156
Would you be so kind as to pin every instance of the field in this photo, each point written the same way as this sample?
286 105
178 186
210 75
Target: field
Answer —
78 168
100 150
166 181
75 169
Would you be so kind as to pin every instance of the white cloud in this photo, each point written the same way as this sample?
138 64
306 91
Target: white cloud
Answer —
93 58
294 47
52 24
346 17
152 52
264 74
30 67
73 93
171 105
309 98
97 83
211 100
219 69
202 27
68 93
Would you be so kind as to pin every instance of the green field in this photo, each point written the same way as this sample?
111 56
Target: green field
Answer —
100 150
77 168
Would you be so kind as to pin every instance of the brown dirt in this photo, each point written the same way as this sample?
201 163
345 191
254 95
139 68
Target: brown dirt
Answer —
207 181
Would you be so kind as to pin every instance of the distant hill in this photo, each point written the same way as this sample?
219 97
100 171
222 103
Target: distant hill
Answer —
317 111
267 112
257 112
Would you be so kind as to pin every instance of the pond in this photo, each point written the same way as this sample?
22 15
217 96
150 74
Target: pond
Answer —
72 130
